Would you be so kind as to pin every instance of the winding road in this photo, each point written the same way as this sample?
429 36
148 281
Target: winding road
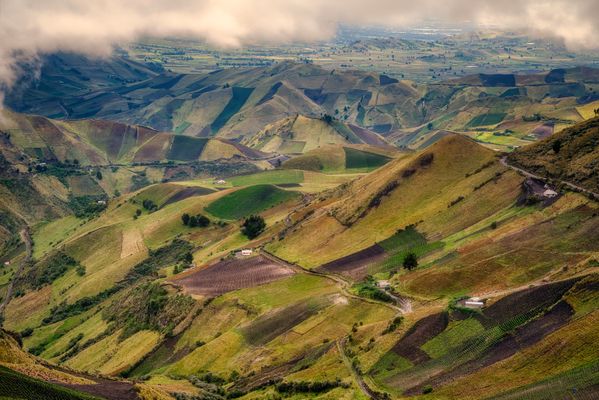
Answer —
404 307
504 162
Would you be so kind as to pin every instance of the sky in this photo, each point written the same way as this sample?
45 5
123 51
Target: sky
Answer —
29 28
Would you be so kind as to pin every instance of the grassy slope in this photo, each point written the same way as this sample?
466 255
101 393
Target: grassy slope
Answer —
250 200
576 160
423 196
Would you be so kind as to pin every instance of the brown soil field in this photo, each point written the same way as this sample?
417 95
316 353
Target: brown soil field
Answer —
520 339
187 192
154 149
422 331
369 137
355 266
246 151
232 274
524 301
107 389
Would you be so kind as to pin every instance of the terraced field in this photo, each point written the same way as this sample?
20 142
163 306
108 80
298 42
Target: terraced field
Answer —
442 349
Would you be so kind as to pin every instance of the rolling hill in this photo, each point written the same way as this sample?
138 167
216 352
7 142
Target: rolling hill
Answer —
260 106
117 294
571 155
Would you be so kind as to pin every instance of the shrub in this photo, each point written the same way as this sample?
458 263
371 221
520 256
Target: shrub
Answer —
149 205
410 261
253 226
393 325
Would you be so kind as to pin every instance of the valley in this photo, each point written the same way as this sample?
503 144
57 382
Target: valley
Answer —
179 230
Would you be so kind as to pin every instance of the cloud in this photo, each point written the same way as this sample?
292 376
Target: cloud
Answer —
32 27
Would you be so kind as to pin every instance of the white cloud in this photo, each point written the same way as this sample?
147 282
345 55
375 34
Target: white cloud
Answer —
93 27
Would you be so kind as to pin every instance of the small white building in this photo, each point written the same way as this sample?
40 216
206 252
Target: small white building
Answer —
246 252
549 193
7 263
220 182
474 302
383 284
102 202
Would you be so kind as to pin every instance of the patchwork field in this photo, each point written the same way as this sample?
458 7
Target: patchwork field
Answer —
233 274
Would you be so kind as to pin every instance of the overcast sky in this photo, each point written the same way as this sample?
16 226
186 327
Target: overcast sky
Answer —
31 27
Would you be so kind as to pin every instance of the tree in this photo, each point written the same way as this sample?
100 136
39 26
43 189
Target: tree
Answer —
188 258
253 226
185 219
556 146
410 261
430 126
99 175
202 220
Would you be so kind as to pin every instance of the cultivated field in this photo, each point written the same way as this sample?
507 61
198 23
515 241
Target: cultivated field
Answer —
232 274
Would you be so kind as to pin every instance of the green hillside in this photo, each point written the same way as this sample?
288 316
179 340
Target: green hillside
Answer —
251 200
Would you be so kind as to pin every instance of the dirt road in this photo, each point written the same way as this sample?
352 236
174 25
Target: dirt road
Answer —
504 162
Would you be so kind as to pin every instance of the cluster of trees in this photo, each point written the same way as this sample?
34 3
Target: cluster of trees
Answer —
195 220
149 205
309 387
253 226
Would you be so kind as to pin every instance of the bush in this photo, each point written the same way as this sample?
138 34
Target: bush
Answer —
149 205
393 325
26 332
253 226
410 261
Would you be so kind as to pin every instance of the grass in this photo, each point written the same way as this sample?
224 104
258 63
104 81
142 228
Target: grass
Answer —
182 127
455 335
274 177
404 239
186 148
14 385
487 119
238 99
363 160
250 200
109 356
389 365
49 234
395 261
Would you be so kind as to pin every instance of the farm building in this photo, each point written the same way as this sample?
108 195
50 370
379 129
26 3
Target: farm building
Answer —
474 302
383 284
549 193
220 182
246 252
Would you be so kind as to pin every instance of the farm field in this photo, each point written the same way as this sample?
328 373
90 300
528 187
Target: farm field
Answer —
250 200
230 275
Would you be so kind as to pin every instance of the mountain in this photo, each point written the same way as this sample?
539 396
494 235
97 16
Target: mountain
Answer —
502 111
142 295
571 155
